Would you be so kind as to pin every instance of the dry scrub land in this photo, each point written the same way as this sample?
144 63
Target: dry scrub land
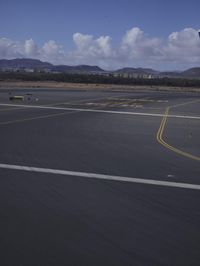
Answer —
81 86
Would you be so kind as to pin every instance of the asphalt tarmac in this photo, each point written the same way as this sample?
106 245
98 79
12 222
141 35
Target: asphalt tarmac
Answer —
99 178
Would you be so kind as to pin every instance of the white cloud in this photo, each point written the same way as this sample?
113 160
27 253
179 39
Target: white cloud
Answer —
140 50
88 45
183 47
52 52
30 48
91 51
82 41
180 50
51 48
10 49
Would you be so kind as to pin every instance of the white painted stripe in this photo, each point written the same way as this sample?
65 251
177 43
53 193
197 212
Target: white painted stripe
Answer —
102 176
98 111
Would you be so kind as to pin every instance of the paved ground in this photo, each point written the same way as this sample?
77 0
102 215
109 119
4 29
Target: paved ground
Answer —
57 146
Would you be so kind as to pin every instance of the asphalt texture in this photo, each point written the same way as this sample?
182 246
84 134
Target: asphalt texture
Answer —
53 219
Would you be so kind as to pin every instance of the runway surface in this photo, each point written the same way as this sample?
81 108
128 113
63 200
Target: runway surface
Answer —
99 178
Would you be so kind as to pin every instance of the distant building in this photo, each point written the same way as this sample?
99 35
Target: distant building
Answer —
29 70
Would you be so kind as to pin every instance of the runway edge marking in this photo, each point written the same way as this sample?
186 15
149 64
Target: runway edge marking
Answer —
102 176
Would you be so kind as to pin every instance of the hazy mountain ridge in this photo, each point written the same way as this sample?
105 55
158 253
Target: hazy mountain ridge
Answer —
192 72
23 63
35 64
139 70
39 65
79 68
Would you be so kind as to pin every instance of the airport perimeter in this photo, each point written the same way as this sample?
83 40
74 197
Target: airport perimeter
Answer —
103 175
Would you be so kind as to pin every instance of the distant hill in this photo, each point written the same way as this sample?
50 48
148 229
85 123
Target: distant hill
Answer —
170 74
24 63
77 69
39 65
131 70
34 64
189 73
192 72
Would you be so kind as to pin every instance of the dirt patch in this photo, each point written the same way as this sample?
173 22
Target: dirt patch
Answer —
81 86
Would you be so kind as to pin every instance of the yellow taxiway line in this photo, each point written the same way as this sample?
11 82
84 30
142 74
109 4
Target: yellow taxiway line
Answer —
160 139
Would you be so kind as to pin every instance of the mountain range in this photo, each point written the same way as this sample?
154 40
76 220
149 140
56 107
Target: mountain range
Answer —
34 64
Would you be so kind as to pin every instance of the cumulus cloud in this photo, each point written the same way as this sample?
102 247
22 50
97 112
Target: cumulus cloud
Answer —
53 52
50 51
86 44
183 46
82 41
93 51
180 50
10 49
138 49
137 45
51 48
30 48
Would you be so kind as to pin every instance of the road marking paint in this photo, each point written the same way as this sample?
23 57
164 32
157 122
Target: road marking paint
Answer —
101 176
35 118
182 104
99 111
10 109
170 175
77 101
160 139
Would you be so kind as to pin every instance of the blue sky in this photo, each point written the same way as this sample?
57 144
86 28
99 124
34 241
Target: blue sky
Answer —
58 21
